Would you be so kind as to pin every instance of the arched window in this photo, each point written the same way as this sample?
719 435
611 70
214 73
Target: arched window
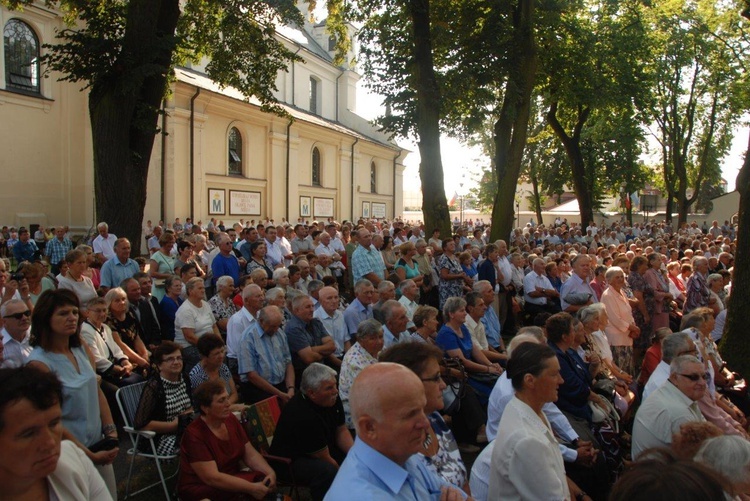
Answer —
373 178
21 57
235 151
316 167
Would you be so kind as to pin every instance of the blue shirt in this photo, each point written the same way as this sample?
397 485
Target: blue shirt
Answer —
264 354
24 251
113 272
367 475
355 313
448 340
56 250
389 339
365 261
491 327
225 265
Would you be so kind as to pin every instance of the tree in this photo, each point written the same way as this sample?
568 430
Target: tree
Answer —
124 51
592 60
734 344
695 67
397 49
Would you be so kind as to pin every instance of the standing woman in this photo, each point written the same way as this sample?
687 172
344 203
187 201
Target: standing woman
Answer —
75 280
621 328
194 318
388 253
452 276
662 297
86 417
406 267
126 329
170 303
644 310
161 265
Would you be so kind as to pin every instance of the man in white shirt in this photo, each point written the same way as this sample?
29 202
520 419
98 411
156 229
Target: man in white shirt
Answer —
537 290
325 247
333 320
674 345
274 251
104 244
16 333
578 283
674 403
253 298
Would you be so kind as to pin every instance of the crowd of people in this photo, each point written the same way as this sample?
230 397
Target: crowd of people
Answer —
386 349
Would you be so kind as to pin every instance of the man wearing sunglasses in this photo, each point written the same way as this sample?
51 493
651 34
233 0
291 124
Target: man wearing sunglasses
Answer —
16 332
674 403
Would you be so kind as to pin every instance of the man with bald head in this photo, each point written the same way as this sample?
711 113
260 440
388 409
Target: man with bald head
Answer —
538 290
387 406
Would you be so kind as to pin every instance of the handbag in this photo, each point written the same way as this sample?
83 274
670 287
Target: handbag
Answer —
455 386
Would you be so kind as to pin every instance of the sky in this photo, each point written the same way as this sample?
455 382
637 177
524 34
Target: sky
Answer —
464 163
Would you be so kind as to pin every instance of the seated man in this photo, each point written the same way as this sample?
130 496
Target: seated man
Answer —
386 292
538 291
265 364
119 268
16 334
387 403
360 309
674 345
311 431
308 340
149 311
673 404
409 296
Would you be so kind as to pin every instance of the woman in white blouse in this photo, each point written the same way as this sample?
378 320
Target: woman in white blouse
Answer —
526 461
193 319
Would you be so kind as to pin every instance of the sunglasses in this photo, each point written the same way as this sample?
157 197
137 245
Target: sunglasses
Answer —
19 315
696 377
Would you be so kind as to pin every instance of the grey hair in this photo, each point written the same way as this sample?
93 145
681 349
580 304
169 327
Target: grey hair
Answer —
480 284
249 289
714 277
297 300
452 305
406 283
7 304
673 344
274 293
533 330
225 280
389 309
385 285
361 284
612 271
692 320
280 272
314 285
676 366
420 243
315 375
116 291
728 455
588 314
190 284
519 339
102 225
265 313
368 328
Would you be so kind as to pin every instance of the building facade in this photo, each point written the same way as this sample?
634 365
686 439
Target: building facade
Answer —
220 156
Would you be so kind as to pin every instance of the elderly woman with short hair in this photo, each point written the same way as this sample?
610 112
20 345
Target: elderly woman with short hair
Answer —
729 456
221 303
126 330
716 288
193 319
455 340
621 328
363 353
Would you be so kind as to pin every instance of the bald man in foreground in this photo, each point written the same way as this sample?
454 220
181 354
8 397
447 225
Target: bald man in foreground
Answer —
387 406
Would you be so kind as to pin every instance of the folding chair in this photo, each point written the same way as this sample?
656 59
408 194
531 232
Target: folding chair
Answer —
260 420
127 400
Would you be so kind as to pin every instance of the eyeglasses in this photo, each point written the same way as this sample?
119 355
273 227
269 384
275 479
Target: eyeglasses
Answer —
435 379
171 360
19 315
696 377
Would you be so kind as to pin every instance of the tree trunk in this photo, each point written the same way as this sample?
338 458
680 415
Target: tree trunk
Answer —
124 112
572 145
511 129
537 197
429 104
735 346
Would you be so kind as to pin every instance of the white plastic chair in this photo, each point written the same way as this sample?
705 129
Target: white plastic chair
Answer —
127 400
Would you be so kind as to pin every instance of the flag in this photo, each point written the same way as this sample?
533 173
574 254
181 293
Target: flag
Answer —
453 199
